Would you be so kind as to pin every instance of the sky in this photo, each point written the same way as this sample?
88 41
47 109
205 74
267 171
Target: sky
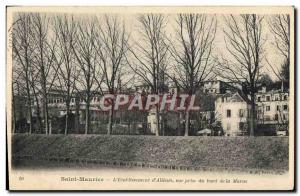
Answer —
270 52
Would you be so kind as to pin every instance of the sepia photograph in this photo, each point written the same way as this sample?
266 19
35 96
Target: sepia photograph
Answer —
150 98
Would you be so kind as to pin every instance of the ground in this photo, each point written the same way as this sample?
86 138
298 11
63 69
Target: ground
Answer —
175 153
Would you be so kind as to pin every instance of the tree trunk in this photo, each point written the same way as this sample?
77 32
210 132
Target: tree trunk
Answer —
14 118
50 126
110 119
45 102
38 113
178 124
162 124
187 123
77 102
157 122
67 117
87 117
252 115
29 106
30 118
46 116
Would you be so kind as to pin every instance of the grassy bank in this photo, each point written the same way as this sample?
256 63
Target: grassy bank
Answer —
241 152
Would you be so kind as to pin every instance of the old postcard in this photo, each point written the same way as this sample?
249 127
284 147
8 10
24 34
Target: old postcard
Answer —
150 98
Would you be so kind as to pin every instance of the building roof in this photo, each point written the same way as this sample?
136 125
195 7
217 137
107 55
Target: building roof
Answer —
236 97
279 86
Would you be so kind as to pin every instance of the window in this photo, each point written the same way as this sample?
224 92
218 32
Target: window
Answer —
285 97
276 117
258 99
285 107
278 108
241 113
267 108
268 98
228 113
284 116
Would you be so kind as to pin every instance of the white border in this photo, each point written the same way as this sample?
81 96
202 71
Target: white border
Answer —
4 3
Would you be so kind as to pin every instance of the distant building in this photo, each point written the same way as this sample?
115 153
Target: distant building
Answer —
213 86
219 87
272 106
221 102
232 110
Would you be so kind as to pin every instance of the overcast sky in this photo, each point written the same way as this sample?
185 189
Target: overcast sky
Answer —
271 53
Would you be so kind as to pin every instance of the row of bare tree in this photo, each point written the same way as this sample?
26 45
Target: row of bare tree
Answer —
86 54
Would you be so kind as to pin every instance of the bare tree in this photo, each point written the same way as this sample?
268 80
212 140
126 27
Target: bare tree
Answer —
193 53
150 54
23 55
280 27
65 30
17 94
35 84
244 43
44 59
86 57
112 45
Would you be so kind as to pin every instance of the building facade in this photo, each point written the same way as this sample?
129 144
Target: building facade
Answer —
224 100
219 87
272 106
232 110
